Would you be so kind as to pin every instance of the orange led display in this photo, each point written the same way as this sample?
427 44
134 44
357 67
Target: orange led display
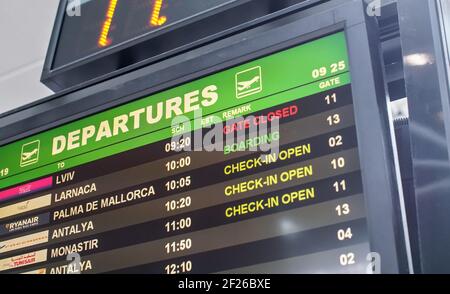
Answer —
103 40
156 19
104 24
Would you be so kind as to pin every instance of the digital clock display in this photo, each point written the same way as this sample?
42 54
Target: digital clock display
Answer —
97 25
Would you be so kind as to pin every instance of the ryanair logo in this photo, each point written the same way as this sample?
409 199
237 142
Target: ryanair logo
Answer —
25 223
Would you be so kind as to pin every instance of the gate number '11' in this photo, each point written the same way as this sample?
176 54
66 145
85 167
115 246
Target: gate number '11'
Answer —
156 20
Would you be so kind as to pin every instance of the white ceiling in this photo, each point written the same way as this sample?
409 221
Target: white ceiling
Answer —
25 28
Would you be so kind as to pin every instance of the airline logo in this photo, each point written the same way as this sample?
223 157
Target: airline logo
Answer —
25 223
23 242
25 206
41 271
23 260
26 188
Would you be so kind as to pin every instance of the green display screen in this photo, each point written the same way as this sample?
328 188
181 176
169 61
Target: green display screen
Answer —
283 73
169 182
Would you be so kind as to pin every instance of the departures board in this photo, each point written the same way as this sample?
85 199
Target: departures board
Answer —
252 169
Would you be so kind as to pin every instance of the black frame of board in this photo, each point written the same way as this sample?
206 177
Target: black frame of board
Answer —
192 32
425 31
381 180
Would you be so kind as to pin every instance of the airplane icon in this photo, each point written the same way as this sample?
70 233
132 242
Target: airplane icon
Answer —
247 84
30 153
27 155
